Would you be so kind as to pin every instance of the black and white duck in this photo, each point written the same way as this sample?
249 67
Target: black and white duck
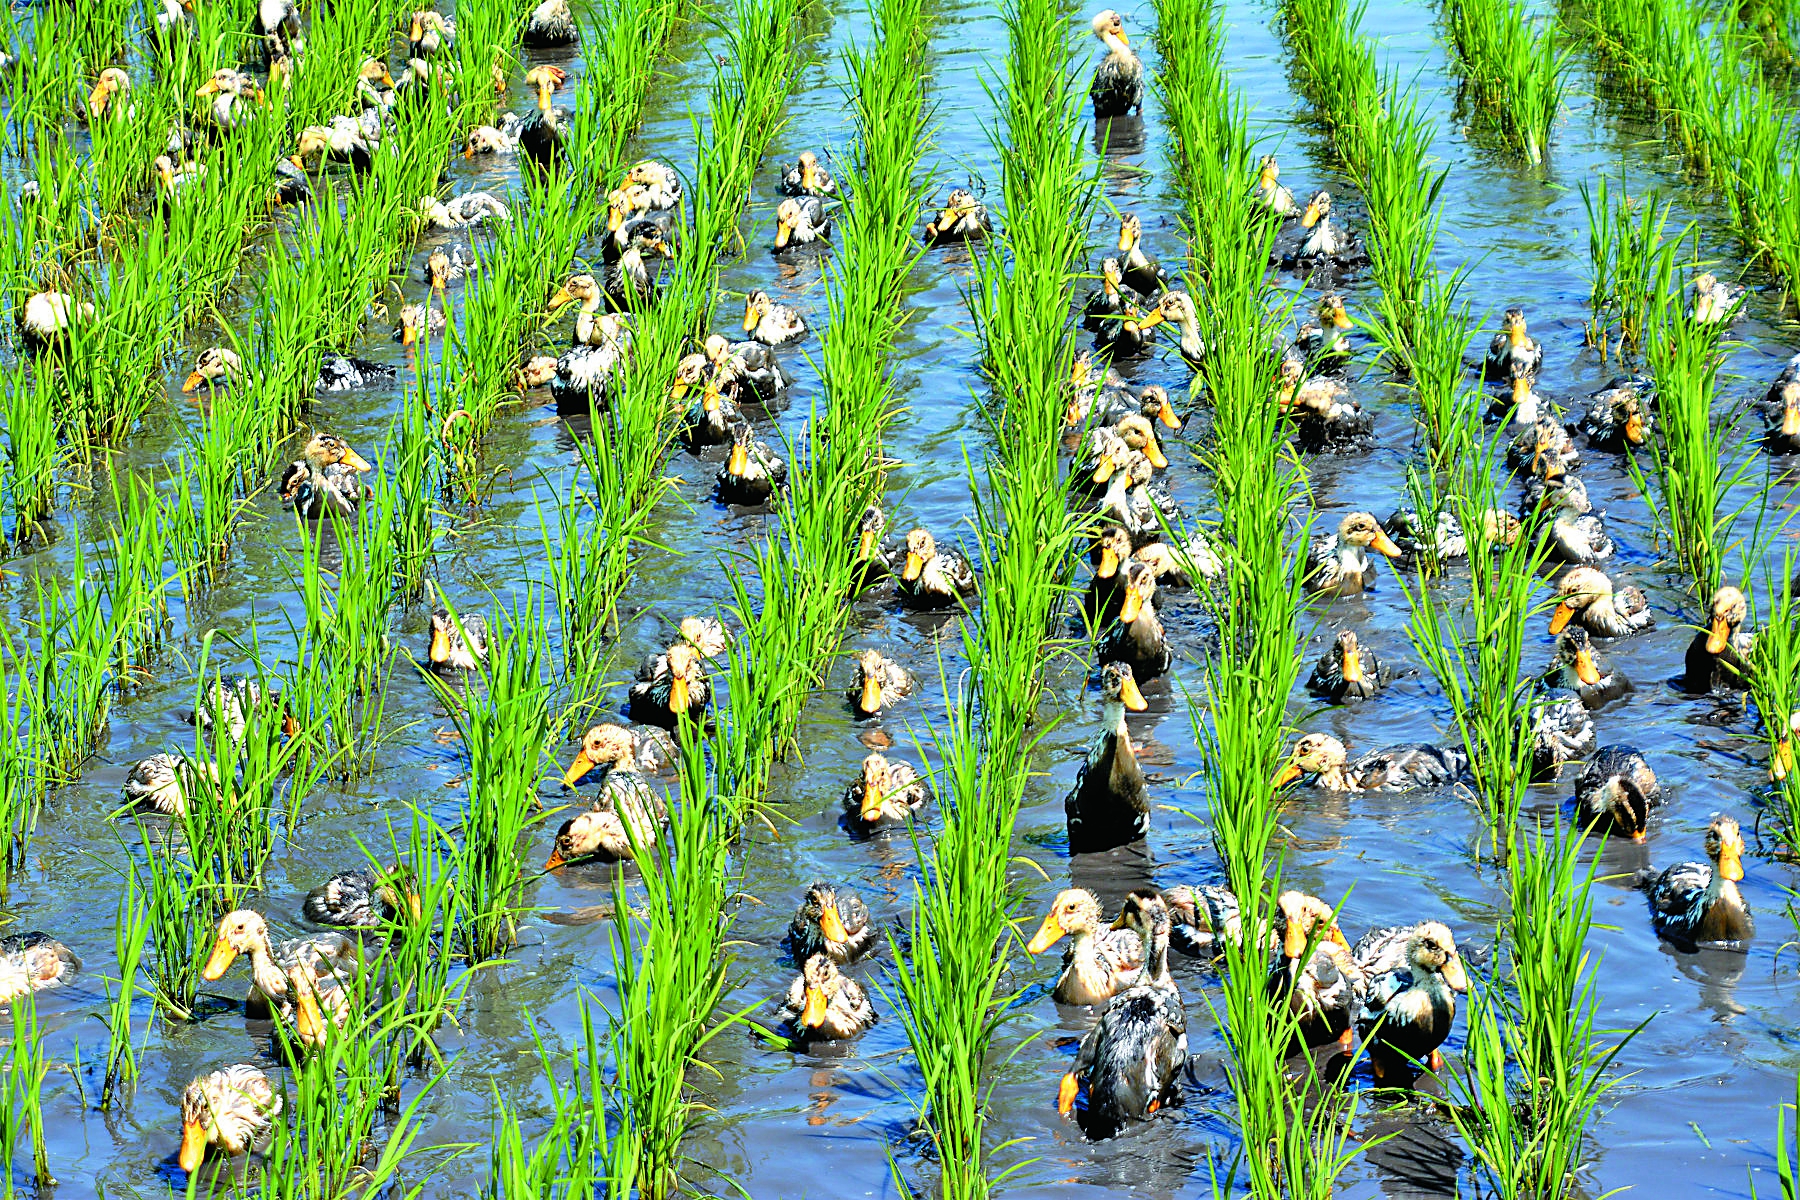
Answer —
832 920
1697 904
551 23
800 221
931 577
807 178
1513 349
1348 671
362 899
326 480
770 323
1338 564
1177 308
885 793
1616 791
679 687
1783 419
232 1110
1406 1014
1139 271
1323 242
1718 657
1118 87
1137 638
713 415
458 642
752 365
463 212
1715 301
1579 669
879 683
1105 305
1621 414
825 1005
962 219
1588 599
1109 804
1326 419
1269 192
541 134
752 471
1326 342
1401 768
1562 732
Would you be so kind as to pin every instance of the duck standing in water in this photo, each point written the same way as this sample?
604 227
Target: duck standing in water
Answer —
963 219
1588 599
1407 1013
1694 904
1118 87
933 578
1137 638
1616 791
1718 657
541 135
1109 805
1349 671
326 480
1128 1064
1513 349
1338 564
1100 962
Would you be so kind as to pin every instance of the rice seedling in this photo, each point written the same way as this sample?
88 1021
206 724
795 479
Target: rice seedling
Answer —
22 778
131 932
622 43
183 913
32 453
21 1090
1514 68
1430 356
132 557
1629 252
412 968
69 678
1774 678
406 492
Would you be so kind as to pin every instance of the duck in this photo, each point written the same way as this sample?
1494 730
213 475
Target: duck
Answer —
291 186
444 266
1402 768
1108 554
1137 638
278 22
1783 416
1545 450
1621 414
1561 732
1522 407
1348 671
682 687
1616 791
705 636
887 792
1140 272
876 559
752 472
1406 1014
832 920
459 642
1118 87
1109 805
374 88
1338 564
111 83
363 899
1100 962
1578 669
1125 339
750 364
551 23
1588 599
1513 351
1322 992
1128 1064
807 178
1176 307
1138 436
339 142
1715 301
962 219
824 1005
1129 501
494 139
931 578
612 751
1096 391
1177 564
1327 342
419 323
610 830
232 701
325 480
1323 241
584 373
232 1109
215 364
1269 193
1441 538
171 16
541 135
770 323
1326 420
712 416
46 318
229 94
159 784
34 962
1718 657
1203 919
637 750
1577 533
463 212
655 184
431 33
245 932
1694 904
1105 305
173 182
879 682
592 327
632 275
800 221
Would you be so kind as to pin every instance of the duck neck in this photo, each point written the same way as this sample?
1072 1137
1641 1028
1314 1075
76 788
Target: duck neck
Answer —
270 979
1113 717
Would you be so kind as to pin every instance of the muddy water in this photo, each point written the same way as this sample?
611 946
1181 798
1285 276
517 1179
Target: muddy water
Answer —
1705 1074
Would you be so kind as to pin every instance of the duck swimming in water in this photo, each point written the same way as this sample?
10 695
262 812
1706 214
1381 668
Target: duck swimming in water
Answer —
1137 638
1578 669
232 1109
458 642
1118 87
551 23
1715 301
712 416
1589 600
1327 343
1349 671
770 323
879 682
823 1005
933 578
1100 962
887 792
1718 658
751 364
1109 805
752 471
325 480
1694 904
963 219
1269 192
1620 415
1407 1013
1139 271
1513 349
807 178
1402 768
463 212
832 920
541 135
1616 791
679 687
1326 420
1105 305
1323 241
1338 564
1783 416
1577 534
800 221
1178 309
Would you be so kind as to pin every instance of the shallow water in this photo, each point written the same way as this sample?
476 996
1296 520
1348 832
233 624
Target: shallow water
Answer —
1705 1074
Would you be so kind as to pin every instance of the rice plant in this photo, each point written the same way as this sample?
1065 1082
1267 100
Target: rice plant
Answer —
132 559
131 932
21 1091
1774 678
23 781
32 453
1514 66
183 913
1630 253
69 678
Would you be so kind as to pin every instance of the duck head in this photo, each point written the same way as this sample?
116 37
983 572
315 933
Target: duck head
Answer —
1317 209
1349 652
810 176
1432 951
756 307
1110 552
1138 434
1267 173
315 140
739 460
1119 686
1362 529
1304 920
1314 754
920 549
240 932
684 670
1790 409
1131 231
1581 587
1729 609
1575 648
1513 324
1332 312
1725 847
1158 407
328 449
1109 27
787 220
1140 591
877 780
602 746
1173 306
1112 277
214 363
582 287
1074 911
112 82
821 984
546 79
868 532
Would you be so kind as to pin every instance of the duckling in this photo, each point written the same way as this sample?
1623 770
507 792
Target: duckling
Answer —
111 83
233 1108
712 416
1128 1063
1137 638
550 24
1129 501
1577 534
1324 242
1616 791
1175 566
933 578
823 1005
1118 87
1406 1014
1338 564
1269 192
751 364
541 135
681 687
46 318
833 921
1327 343
334 143
1718 658
963 219
880 681
362 899
1401 768
458 643
1139 270
1176 307
1326 419
431 32
807 178
1323 993
656 184
752 472
1100 962
1576 668
1561 732
419 323
1545 449
160 784
1783 436
244 932
888 792
1109 805
1589 600
1715 301
463 212
1620 415
800 221
1513 349
1695 904
494 139
325 480
1203 919
1349 671
215 364
1105 305
770 323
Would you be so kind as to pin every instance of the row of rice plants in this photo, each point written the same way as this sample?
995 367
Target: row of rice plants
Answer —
1732 122
1512 68
950 973
1383 140
808 565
